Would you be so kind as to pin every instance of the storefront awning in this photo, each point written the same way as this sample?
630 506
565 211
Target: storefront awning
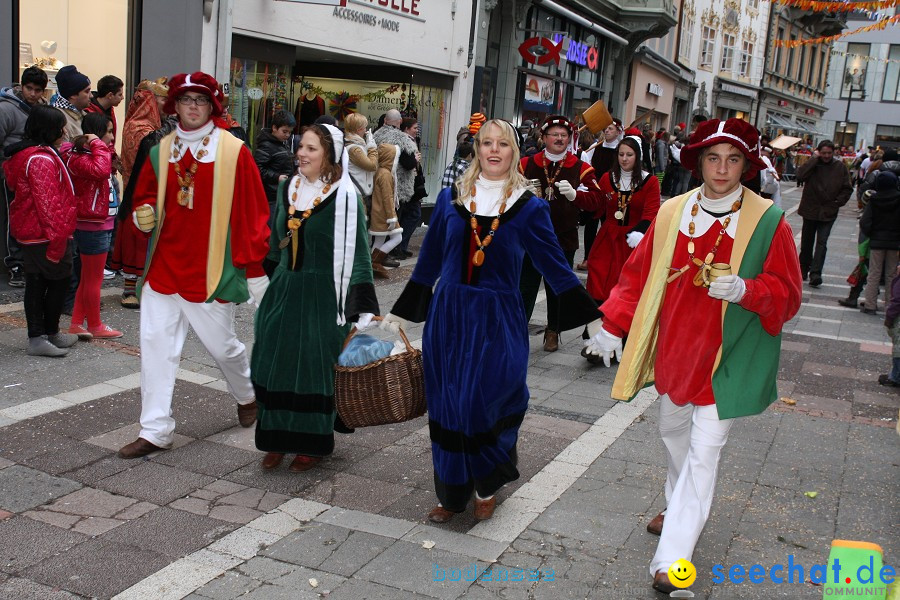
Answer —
782 122
549 5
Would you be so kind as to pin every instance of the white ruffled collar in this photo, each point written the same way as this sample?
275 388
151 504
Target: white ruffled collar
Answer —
192 141
307 191
555 158
489 196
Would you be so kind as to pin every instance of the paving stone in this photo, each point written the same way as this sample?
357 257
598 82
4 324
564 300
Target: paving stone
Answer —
185 532
355 492
310 546
195 506
265 569
25 589
277 592
52 518
234 514
68 455
397 464
24 542
237 437
228 586
272 500
419 572
200 411
355 552
298 579
281 480
93 418
224 487
153 482
22 488
354 589
115 439
204 494
361 521
5 514
21 441
94 526
207 458
103 468
97 568
88 502
135 511
247 497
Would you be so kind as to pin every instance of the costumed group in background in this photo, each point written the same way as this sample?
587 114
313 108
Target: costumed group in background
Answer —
700 285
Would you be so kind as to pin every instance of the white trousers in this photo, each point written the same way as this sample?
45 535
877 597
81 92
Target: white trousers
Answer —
386 243
164 327
694 437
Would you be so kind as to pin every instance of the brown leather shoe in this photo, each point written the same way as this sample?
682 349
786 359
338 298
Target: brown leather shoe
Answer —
484 509
551 341
378 270
656 524
304 463
662 584
582 266
272 460
439 514
247 414
138 448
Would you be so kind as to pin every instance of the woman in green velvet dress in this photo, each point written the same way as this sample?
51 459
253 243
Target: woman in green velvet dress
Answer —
322 283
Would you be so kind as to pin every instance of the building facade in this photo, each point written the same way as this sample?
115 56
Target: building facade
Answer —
862 99
792 98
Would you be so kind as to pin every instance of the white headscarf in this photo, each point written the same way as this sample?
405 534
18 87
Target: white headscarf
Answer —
345 215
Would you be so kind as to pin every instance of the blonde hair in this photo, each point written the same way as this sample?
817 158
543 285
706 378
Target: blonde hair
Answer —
514 179
354 122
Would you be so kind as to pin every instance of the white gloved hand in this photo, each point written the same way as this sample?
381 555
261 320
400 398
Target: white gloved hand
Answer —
364 321
393 323
370 139
730 288
257 287
392 224
605 345
565 188
634 238
144 218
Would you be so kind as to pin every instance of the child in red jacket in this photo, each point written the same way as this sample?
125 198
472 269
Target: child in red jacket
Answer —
42 219
89 161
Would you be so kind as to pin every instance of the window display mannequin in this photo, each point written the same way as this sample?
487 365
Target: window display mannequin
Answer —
309 107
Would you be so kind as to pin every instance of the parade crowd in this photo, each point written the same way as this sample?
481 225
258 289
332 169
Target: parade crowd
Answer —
689 295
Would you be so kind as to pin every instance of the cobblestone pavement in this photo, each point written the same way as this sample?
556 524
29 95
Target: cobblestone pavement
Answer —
204 521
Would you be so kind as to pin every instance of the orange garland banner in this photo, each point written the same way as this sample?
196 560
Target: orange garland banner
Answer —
880 25
821 5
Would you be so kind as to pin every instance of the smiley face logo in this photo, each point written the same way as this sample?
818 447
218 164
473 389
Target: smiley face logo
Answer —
682 573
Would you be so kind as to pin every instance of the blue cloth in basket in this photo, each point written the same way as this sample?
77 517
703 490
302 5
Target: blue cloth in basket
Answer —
364 349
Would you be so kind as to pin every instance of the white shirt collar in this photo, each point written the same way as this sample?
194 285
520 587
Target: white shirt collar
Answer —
704 220
192 141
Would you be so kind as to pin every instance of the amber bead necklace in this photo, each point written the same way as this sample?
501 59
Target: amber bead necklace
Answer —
478 258
704 265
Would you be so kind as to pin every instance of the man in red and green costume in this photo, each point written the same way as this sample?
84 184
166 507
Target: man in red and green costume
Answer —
201 199
710 348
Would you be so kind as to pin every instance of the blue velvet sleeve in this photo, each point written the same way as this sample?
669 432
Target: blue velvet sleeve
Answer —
415 299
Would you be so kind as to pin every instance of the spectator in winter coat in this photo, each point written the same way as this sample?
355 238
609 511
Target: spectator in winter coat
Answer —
15 106
275 163
890 321
661 150
42 218
72 98
90 163
881 222
408 164
109 94
384 224
465 152
827 188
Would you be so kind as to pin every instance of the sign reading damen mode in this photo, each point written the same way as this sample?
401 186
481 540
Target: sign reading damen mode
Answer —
366 19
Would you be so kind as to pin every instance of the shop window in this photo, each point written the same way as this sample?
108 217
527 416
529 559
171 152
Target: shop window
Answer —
727 53
887 136
707 47
746 59
90 34
891 91
856 67
845 135
258 89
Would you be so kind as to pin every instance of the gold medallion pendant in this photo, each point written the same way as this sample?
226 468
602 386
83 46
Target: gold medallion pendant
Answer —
619 215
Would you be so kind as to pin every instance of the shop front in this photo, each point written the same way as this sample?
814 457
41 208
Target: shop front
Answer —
361 58
561 67
653 83
733 100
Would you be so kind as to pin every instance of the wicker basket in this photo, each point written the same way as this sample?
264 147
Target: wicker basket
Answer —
389 390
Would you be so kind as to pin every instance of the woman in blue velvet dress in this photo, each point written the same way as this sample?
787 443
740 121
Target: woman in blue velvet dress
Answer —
475 343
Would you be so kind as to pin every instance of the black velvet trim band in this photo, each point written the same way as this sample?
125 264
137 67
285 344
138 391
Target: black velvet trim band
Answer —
413 302
299 403
641 226
576 308
289 442
456 441
455 497
361 299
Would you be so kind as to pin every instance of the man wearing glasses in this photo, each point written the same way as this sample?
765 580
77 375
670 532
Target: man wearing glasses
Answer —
201 200
568 185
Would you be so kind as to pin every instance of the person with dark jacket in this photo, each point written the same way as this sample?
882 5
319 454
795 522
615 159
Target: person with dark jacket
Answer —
275 163
15 106
891 312
827 188
881 222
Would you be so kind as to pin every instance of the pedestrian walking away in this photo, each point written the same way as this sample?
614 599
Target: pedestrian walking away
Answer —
712 352
201 198
322 283
880 222
475 341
